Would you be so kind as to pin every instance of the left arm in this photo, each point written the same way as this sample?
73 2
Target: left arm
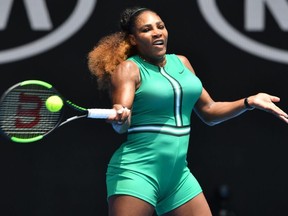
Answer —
212 112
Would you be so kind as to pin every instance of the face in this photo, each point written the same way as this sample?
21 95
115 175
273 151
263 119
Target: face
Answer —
150 36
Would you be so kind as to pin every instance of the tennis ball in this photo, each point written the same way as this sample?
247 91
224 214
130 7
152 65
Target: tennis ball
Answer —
54 103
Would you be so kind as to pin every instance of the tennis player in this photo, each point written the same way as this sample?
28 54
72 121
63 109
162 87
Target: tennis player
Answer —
154 94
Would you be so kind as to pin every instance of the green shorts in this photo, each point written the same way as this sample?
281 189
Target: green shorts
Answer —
163 198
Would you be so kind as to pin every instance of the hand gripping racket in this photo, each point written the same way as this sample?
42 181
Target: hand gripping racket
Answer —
26 117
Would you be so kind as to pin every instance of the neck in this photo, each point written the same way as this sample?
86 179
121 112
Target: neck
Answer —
155 61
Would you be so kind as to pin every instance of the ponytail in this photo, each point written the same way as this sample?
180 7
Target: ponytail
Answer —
109 52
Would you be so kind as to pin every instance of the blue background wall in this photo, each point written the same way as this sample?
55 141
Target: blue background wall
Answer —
64 174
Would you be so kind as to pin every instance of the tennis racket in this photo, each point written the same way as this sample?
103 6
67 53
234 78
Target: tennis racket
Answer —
25 116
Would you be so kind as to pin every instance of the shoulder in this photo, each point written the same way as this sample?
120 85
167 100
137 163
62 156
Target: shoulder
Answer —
127 66
186 62
126 70
183 59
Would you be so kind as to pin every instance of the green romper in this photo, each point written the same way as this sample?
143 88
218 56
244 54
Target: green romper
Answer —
151 164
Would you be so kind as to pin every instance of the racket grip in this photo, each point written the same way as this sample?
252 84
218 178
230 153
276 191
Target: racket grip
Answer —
100 113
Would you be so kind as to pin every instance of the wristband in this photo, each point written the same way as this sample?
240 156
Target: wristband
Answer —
247 105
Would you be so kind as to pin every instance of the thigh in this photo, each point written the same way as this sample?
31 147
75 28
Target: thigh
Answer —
123 205
185 189
197 206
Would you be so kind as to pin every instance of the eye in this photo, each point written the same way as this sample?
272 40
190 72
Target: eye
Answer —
161 26
145 29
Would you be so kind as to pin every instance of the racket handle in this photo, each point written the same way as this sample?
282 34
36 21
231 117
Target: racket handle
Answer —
100 113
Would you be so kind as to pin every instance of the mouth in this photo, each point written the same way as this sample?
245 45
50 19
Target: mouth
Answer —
158 42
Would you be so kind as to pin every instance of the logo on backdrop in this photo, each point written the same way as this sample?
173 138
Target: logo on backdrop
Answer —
254 16
40 20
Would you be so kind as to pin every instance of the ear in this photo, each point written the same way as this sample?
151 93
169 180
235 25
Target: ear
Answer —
132 39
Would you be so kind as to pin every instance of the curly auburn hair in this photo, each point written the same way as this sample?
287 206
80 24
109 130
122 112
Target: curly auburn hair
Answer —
113 49
110 51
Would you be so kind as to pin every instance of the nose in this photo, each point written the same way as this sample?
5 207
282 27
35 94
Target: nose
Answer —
157 33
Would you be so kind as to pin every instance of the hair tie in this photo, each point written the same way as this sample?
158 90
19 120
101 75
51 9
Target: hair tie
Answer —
136 11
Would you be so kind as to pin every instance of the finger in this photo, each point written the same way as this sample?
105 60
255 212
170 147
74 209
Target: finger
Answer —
275 99
120 111
280 111
284 118
123 114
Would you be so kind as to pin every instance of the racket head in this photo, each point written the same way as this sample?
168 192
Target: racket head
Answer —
24 117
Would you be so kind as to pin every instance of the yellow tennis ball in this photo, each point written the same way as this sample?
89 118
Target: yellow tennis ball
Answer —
54 103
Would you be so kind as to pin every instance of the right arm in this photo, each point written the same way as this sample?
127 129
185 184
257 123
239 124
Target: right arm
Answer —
124 81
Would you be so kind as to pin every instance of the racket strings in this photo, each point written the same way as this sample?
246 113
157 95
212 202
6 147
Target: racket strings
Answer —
23 113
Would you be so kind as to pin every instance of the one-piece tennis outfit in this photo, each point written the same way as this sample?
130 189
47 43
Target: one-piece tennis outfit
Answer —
151 164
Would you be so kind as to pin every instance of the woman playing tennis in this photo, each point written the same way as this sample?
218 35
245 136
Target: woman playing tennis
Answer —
154 94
